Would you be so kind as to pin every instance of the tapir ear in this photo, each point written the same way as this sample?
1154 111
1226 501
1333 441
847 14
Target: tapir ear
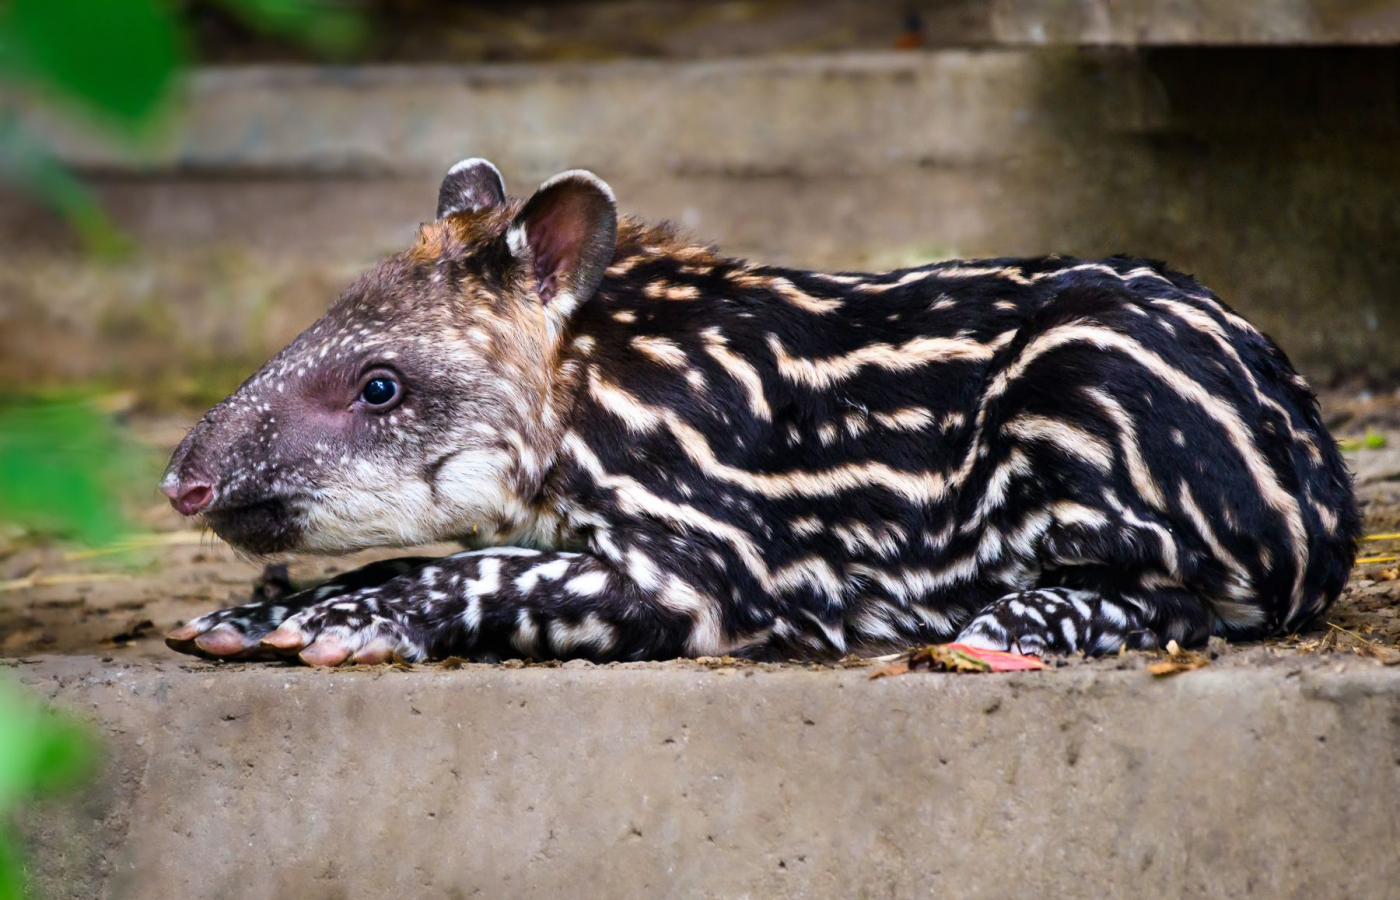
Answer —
471 185
568 231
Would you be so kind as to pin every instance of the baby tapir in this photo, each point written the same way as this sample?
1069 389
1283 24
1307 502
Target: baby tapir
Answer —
653 450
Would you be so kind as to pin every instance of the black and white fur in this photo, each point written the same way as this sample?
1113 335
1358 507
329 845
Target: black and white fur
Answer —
654 451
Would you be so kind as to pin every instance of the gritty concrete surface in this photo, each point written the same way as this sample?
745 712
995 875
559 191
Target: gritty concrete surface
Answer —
1272 772
680 781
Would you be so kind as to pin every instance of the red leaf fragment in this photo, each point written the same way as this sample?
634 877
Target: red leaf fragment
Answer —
958 658
1001 660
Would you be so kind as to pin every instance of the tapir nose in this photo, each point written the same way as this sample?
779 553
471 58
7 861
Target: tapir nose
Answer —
187 496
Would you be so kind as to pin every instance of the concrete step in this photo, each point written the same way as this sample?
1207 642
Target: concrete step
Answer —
1149 22
806 116
679 780
543 30
1270 174
1271 773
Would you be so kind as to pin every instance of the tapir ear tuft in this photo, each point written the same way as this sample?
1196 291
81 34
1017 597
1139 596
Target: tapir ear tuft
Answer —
568 229
471 185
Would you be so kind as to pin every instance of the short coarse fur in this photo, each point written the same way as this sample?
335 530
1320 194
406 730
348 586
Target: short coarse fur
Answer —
656 450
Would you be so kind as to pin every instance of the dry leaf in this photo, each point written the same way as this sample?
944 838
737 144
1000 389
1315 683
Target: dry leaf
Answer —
1388 656
1001 660
1388 574
947 658
1178 660
897 668
1183 662
958 658
718 662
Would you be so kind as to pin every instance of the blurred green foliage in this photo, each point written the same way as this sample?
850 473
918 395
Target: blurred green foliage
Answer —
118 59
39 753
27 164
332 29
116 64
1373 440
63 466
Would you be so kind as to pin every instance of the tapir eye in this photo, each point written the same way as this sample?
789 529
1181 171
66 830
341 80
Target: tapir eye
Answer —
381 390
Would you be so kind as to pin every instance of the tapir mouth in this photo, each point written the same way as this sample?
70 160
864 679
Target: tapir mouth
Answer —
263 526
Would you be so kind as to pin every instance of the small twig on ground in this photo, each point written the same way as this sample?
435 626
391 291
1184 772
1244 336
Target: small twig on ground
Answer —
33 581
1389 656
1349 632
146 542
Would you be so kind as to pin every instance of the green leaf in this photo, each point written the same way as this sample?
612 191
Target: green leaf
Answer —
62 755
39 751
117 58
11 871
26 164
324 25
62 466
1373 440
16 741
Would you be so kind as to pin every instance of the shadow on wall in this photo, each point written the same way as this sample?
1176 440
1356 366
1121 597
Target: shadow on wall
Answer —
1270 173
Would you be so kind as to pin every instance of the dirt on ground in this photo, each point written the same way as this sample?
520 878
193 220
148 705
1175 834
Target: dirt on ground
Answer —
117 603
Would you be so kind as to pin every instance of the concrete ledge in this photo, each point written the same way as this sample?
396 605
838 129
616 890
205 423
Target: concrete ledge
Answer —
1165 22
795 116
864 112
1268 173
682 782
